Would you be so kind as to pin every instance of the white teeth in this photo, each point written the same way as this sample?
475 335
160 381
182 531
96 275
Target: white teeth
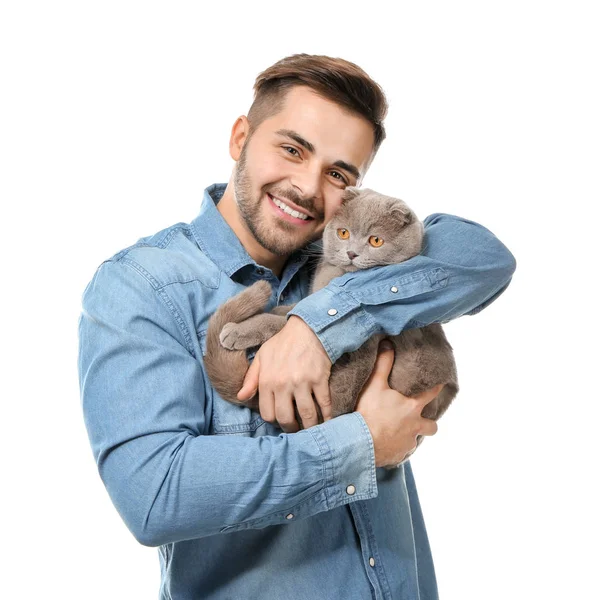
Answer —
288 210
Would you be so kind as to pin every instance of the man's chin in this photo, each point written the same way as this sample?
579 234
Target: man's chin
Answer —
282 249
292 240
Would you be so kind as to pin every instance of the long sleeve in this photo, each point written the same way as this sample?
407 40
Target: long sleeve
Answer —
144 405
462 268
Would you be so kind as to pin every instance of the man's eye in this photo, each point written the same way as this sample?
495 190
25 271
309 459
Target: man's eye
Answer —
338 174
289 148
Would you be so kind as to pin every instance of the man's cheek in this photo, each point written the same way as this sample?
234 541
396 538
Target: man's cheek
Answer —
330 210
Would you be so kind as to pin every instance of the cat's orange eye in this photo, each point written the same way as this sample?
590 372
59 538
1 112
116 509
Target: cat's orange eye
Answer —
343 233
375 241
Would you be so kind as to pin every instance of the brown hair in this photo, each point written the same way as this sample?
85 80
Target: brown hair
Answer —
335 79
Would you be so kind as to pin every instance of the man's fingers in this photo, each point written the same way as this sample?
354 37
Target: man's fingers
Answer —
267 405
306 408
285 414
427 396
428 427
384 362
251 381
322 396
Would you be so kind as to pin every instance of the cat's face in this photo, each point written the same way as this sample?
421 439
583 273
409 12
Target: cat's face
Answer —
371 229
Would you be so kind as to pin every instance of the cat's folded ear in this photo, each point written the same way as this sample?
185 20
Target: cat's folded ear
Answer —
349 193
402 213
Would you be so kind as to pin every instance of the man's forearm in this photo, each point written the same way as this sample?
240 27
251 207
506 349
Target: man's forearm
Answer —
462 268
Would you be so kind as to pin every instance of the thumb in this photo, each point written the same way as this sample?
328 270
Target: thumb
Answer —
251 381
384 360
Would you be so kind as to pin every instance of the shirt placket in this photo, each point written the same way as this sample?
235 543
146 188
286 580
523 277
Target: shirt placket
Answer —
370 553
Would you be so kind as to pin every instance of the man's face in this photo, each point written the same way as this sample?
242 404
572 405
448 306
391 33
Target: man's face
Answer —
303 157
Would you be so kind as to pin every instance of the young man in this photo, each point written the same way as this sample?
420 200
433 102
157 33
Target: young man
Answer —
239 508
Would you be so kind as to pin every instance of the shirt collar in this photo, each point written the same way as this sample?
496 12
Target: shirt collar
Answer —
217 239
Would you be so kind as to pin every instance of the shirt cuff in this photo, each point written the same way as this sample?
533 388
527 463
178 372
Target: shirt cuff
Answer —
351 324
347 445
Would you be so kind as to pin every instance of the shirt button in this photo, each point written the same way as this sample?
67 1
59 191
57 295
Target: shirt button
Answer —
282 297
260 271
394 289
332 311
351 489
290 516
371 562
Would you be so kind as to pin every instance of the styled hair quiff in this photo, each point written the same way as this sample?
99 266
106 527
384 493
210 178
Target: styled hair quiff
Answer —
335 79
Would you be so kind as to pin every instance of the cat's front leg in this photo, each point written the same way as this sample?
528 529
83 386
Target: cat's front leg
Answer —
253 331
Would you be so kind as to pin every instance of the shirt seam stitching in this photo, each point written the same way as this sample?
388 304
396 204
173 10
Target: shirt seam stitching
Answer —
380 289
273 515
164 298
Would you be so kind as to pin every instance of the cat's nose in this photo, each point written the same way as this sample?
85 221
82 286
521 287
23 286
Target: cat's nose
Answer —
351 254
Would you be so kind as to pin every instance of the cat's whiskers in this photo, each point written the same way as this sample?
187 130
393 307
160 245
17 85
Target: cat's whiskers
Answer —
308 251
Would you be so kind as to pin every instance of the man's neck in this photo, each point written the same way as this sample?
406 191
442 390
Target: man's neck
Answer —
229 211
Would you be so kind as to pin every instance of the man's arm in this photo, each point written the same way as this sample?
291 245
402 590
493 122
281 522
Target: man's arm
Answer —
462 268
143 399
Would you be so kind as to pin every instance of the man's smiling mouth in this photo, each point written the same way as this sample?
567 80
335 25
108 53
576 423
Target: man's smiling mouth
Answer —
288 210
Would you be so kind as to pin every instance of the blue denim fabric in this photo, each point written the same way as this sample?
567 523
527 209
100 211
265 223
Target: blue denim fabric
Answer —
237 508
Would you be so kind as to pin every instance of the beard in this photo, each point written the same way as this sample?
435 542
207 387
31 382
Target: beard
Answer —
283 238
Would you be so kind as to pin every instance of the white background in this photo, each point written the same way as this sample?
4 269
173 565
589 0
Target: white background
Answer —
116 115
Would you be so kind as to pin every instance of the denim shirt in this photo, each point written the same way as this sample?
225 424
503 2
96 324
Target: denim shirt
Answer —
237 508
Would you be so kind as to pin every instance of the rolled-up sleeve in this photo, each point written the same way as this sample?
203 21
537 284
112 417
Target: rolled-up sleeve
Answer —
463 267
143 399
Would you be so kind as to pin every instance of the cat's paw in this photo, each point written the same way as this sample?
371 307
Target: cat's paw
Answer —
232 338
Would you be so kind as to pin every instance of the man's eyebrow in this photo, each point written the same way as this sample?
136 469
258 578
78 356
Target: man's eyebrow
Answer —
353 170
347 167
297 138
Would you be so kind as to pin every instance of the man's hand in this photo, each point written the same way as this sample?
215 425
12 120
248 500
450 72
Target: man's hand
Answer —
394 420
291 365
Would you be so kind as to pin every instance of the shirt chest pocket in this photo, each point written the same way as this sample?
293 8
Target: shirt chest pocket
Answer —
229 418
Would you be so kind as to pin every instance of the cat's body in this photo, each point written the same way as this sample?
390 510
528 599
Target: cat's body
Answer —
380 230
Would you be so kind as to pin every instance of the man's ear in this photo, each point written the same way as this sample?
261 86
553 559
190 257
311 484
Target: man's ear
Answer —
238 137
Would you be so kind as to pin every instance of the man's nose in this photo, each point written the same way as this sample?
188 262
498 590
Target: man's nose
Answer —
308 183
351 254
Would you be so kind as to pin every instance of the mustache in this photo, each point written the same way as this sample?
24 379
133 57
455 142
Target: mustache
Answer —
305 203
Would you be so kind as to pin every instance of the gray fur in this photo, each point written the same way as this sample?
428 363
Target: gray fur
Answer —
423 356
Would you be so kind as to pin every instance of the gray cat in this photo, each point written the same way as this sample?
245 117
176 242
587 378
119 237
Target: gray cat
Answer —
368 230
